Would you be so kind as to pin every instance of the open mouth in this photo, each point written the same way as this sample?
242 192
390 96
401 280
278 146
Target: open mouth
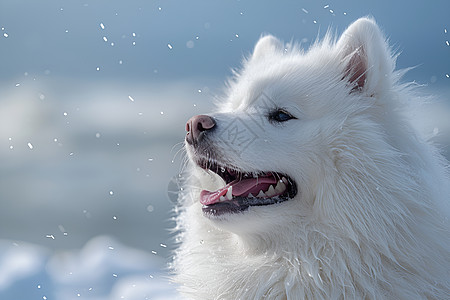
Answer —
243 190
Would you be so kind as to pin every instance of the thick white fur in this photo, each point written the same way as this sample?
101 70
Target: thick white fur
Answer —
370 220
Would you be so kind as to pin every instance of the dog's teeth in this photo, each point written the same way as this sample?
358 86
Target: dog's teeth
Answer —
284 180
271 191
281 187
250 196
222 198
229 194
261 194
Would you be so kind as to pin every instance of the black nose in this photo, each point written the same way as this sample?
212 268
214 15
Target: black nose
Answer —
196 126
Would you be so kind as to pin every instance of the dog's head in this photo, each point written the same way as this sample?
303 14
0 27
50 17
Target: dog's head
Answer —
283 129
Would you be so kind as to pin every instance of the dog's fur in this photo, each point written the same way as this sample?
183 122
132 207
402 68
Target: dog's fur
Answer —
370 219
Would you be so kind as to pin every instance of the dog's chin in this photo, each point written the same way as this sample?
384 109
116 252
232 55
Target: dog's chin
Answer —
243 191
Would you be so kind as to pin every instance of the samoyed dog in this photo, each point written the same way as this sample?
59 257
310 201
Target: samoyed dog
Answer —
312 180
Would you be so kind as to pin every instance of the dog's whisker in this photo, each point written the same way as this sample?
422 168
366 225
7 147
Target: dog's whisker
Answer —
178 151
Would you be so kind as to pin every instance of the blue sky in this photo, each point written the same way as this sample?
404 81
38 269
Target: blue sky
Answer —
206 38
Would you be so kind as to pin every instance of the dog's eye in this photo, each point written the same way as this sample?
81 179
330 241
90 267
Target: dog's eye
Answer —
280 115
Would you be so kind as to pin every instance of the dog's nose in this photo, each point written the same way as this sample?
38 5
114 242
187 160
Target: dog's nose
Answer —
196 126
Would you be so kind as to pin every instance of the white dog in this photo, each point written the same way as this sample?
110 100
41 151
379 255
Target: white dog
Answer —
311 181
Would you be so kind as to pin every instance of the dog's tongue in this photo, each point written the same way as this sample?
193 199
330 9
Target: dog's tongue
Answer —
240 188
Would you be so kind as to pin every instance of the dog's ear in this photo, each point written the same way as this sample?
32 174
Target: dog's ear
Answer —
267 45
368 65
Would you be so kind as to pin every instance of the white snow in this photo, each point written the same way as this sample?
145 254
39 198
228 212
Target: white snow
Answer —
102 269
18 262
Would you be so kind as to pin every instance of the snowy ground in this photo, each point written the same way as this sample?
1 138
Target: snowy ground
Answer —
102 269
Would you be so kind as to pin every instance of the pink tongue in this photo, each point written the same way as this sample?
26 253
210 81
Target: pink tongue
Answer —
208 198
243 187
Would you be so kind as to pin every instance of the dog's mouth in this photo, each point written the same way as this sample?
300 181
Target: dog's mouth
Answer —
243 190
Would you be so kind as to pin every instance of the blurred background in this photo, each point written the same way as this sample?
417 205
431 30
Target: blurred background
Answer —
94 96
